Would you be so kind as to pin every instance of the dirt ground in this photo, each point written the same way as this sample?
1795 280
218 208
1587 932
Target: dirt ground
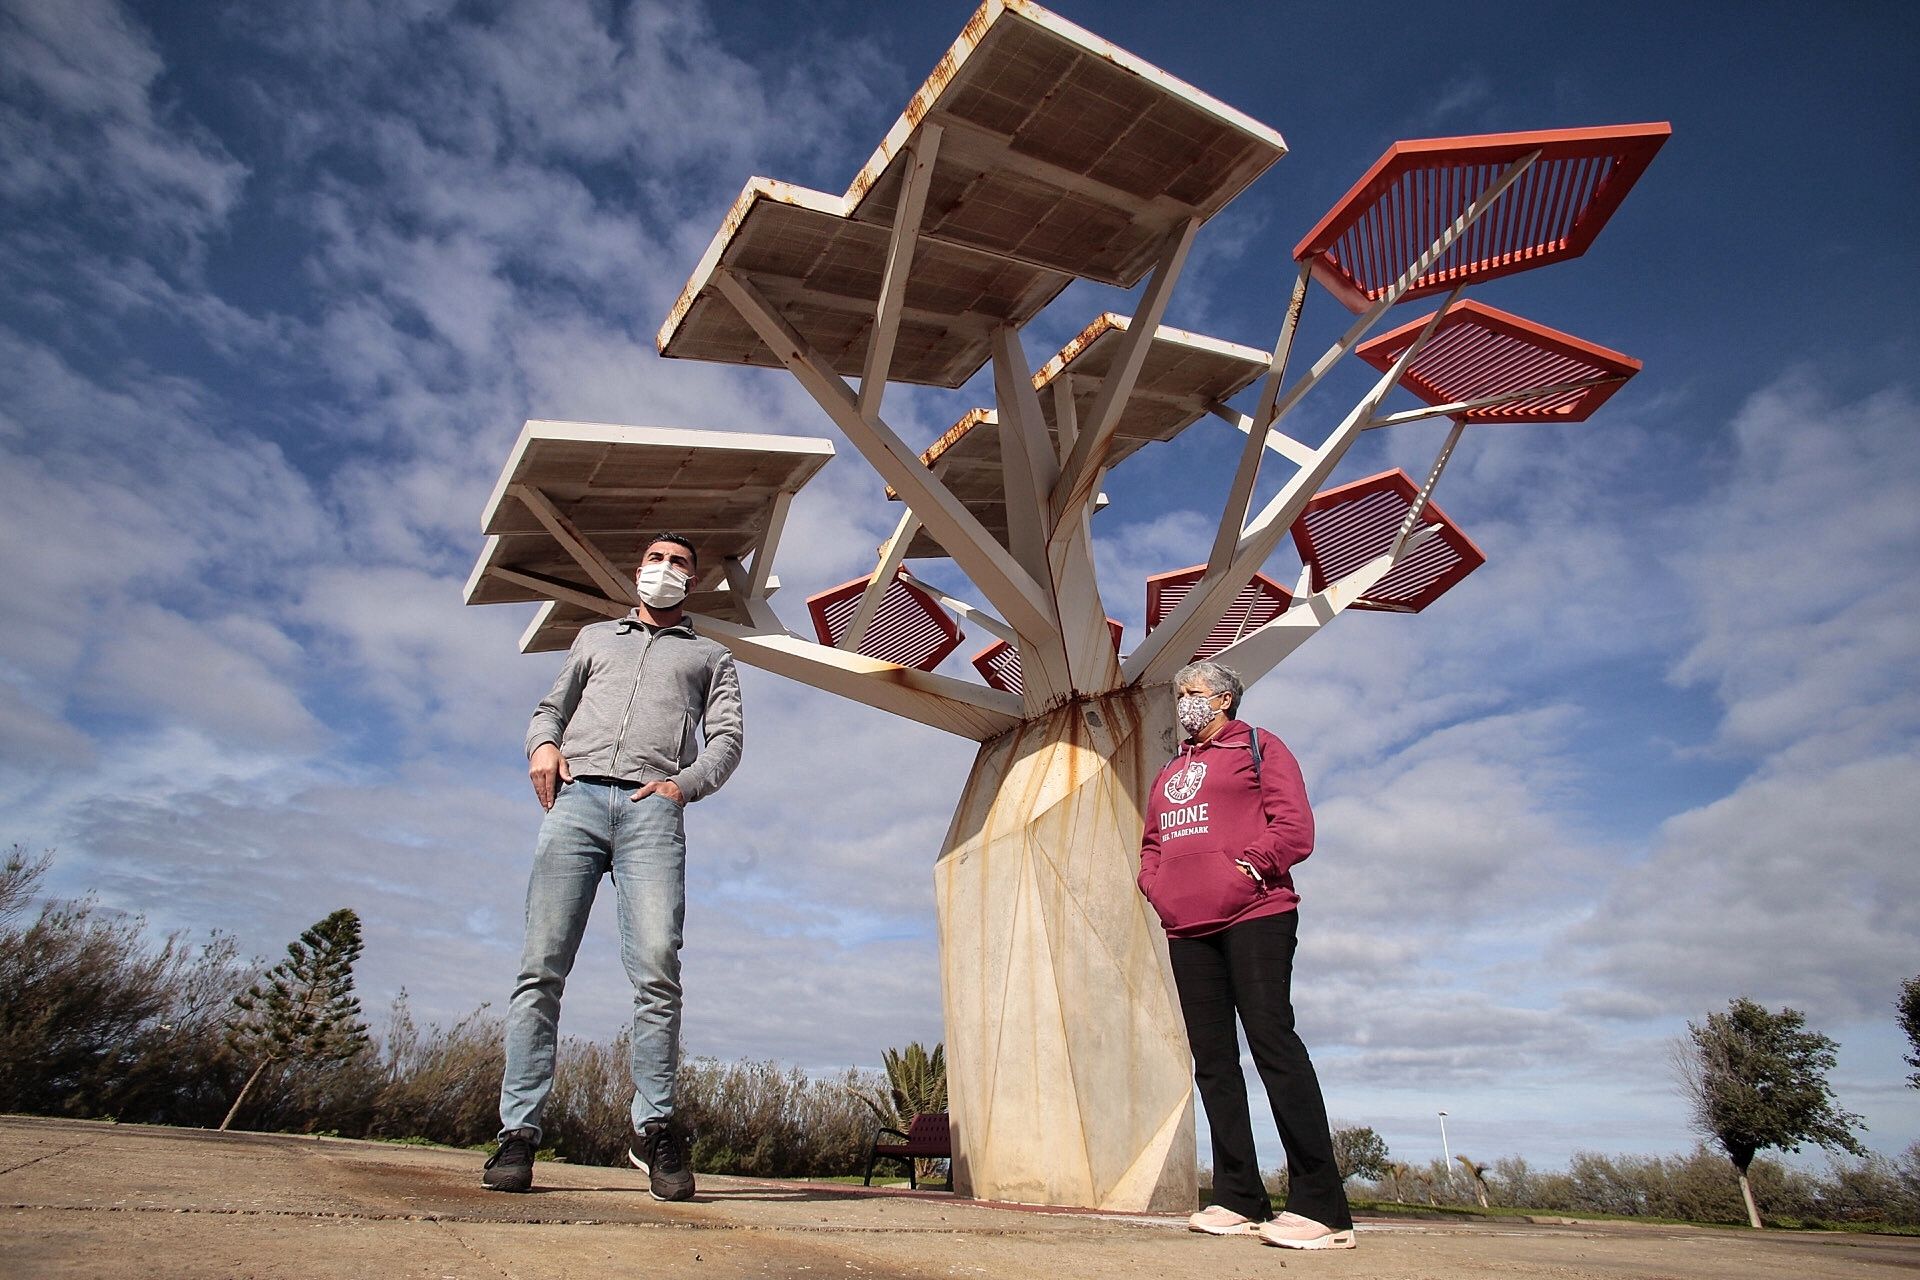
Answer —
87 1199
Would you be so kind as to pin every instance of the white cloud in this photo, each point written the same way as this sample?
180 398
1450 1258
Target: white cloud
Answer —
1802 557
1463 95
1798 887
232 676
80 111
404 639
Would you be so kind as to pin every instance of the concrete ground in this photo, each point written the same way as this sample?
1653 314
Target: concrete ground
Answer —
88 1199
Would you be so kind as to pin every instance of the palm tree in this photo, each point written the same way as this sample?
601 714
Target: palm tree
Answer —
916 1085
1478 1172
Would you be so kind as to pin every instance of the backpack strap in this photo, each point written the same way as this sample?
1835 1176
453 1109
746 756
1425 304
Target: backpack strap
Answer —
1253 745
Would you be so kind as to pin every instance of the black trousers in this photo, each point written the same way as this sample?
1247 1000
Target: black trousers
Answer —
1247 970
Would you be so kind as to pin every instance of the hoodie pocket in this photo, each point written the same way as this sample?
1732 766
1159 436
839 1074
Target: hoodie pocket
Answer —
1201 888
686 753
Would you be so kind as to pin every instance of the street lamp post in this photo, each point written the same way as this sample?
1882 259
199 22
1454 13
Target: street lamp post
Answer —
1446 1152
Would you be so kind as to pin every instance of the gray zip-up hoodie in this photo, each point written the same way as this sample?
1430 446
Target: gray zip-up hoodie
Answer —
626 703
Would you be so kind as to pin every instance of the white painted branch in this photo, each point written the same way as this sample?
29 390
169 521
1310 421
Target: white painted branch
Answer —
761 582
966 612
892 552
1009 587
957 706
1169 645
893 283
555 589
1066 414
1028 464
1419 503
1406 281
1233 512
1259 652
617 585
1285 445
1079 476
1459 407
740 582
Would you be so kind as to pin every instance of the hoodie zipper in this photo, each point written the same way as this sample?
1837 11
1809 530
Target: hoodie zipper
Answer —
613 769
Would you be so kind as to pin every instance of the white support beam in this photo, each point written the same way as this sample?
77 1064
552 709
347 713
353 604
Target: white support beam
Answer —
1458 407
1167 647
1079 475
957 706
1066 414
1399 287
761 580
1028 464
892 552
740 583
1412 518
907 213
617 585
968 613
1286 446
1050 668
566 592
1233 513
1260 651
1008 586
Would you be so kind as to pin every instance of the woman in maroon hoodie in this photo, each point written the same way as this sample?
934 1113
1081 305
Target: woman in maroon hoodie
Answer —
1226 820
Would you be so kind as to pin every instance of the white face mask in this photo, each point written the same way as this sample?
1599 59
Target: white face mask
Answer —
660 584
1195 712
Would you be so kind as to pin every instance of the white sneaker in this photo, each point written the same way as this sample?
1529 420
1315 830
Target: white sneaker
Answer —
1291 1231
1218 1220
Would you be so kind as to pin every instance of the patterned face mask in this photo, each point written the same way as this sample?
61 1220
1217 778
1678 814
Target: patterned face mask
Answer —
1195 712
661 585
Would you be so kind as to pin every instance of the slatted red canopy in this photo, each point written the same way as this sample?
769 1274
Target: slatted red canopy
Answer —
1401 205
1479 352
1343 528
909 627
1259 602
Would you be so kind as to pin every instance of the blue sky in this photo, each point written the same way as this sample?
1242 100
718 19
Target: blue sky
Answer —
285 279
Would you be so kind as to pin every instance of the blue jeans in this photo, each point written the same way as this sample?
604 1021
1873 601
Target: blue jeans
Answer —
593 830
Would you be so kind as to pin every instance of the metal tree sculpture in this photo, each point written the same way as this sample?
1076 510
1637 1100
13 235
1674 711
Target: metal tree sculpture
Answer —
1037 154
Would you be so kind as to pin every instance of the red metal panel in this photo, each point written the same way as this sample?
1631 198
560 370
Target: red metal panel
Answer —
999 663
1479 351
1401 205
1345 527
909 627
1259 602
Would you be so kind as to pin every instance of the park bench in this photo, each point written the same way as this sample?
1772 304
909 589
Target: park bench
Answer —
925 1139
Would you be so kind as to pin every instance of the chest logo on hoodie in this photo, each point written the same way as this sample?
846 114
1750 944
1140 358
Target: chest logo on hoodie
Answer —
1184 784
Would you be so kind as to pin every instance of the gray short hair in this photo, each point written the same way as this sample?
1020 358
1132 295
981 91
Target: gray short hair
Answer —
1218 677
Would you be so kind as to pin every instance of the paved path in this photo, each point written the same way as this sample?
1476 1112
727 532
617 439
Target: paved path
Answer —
86 1199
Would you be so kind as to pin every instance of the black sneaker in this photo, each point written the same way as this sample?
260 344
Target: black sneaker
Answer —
511 1168
659 1152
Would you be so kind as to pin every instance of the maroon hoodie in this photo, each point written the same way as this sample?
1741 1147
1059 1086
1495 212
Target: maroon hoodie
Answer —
1206 810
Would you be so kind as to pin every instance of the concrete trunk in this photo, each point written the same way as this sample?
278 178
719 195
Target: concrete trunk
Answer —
1069 1078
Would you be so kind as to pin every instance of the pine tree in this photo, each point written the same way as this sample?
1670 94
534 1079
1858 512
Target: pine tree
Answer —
1758 1079
303 1009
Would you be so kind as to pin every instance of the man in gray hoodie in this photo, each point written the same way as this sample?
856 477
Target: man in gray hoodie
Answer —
613 757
